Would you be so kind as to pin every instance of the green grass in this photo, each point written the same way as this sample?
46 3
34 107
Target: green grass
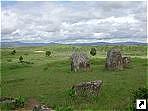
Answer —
49 78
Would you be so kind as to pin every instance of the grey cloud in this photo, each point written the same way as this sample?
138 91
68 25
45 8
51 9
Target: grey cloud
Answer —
53 21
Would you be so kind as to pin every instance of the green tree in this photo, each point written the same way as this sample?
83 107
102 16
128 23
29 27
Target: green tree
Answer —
93 51
21 59
48 53
13 52
19 102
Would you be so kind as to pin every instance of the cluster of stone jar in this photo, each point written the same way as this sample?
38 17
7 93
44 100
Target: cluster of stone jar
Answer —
114 61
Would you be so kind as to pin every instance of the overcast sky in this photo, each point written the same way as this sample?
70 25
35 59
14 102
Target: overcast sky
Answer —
74 22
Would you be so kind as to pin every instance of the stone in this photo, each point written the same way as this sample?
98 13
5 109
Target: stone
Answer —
7 100
114 60
126 61
88 88
80 61
41 108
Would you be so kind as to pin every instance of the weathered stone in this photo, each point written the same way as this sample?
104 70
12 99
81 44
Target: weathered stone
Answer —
79 61
126 61
88 88
41 108
7 100
114 60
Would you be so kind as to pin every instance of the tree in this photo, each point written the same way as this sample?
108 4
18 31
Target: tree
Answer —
21 59
93 51
48 53
13 52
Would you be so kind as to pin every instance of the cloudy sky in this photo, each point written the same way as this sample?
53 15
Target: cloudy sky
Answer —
74 22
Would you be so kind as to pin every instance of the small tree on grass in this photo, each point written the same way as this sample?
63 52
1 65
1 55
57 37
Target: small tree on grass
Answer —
13 52
93 51
19 102
21 59
48 53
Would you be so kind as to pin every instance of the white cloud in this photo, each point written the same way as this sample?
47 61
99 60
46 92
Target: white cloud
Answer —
74 21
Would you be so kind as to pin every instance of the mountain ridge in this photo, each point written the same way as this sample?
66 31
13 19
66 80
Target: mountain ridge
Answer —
21 44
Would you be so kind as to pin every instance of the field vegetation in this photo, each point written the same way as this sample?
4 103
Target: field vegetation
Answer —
48 78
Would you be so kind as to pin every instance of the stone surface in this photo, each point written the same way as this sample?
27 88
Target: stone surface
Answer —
41 108
114 60
7 100
88 88
126 61
79 61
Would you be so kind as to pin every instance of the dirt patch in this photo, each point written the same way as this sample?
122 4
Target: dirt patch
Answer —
33 104
30 103
39 51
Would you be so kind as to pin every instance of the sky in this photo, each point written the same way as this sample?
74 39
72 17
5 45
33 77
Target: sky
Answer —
73 22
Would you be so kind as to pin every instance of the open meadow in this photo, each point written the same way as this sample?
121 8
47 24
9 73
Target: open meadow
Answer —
48 78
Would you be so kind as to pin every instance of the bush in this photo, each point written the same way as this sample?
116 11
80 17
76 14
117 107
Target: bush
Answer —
9 60
13 52
93 51
140 93
19 102
21 59
48 53
71 92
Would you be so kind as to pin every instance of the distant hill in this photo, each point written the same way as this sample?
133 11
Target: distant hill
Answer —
107 43
22 44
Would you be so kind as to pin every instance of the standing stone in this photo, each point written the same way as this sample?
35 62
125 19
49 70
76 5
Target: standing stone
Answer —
114 60
79 61
126 61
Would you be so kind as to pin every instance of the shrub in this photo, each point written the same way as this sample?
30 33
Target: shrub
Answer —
48 53
21 59
13 52
19 102
93 51
9 60
140 93
71 92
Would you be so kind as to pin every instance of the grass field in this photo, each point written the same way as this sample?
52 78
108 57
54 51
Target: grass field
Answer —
49 77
